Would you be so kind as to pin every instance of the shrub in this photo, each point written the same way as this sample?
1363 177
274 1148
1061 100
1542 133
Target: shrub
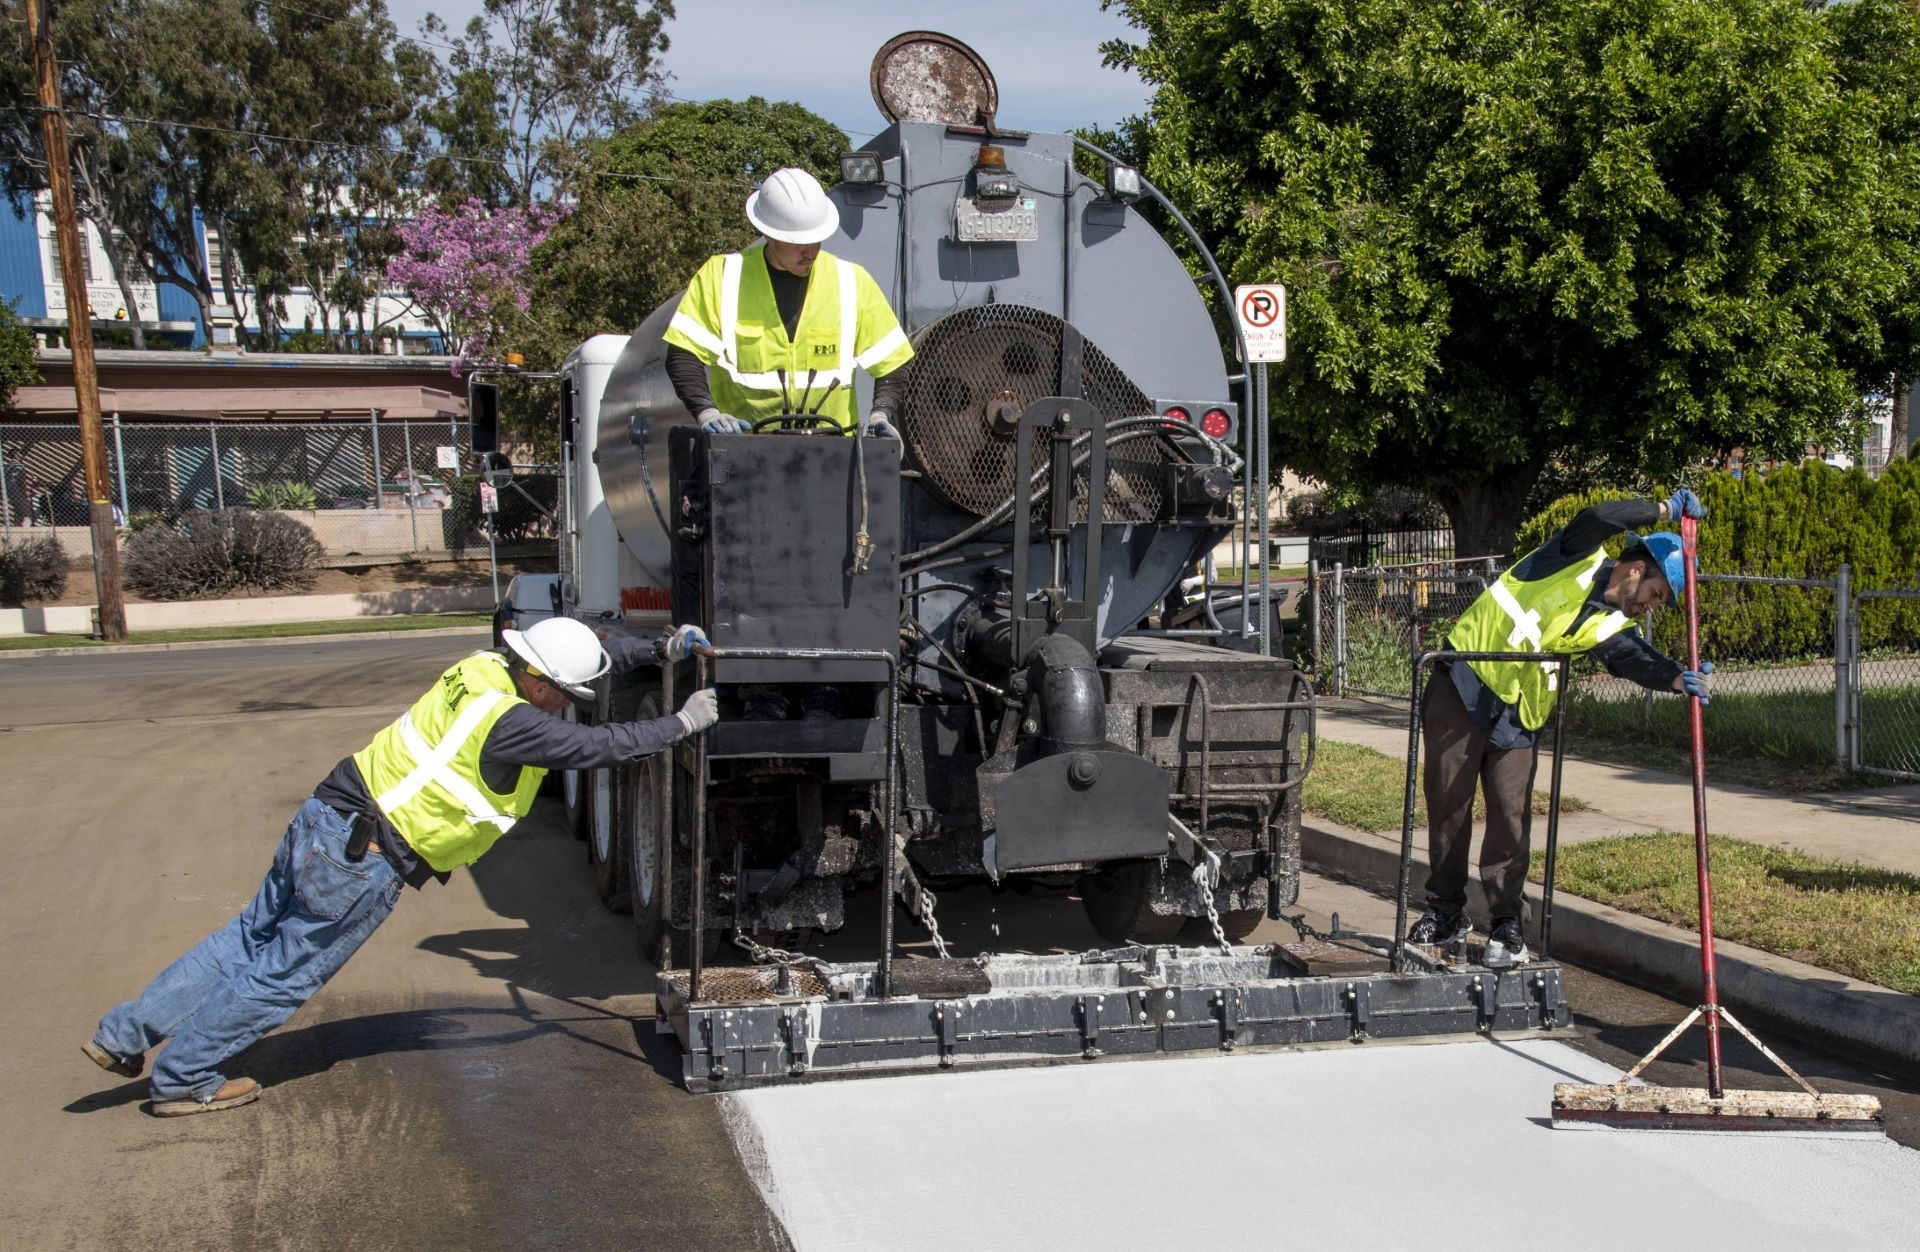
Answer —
1796 521
285 494
207 553
34 570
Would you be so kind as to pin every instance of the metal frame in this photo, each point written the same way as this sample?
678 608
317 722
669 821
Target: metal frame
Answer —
1421 664
703 656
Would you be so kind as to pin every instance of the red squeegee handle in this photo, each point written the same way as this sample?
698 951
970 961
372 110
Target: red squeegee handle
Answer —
1709 984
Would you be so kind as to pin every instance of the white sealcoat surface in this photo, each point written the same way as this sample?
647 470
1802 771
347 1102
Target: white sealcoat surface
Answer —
1380 1145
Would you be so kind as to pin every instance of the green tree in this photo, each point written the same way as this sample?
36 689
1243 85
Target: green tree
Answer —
1645 230
528 80
18 367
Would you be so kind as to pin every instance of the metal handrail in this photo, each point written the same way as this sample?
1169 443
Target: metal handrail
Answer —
1420 664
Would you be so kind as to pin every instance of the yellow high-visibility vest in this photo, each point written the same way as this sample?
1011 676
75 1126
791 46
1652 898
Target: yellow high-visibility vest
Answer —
730 320
1516 616
424 769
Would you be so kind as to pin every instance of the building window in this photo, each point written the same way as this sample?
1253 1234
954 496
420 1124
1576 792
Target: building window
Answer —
86 258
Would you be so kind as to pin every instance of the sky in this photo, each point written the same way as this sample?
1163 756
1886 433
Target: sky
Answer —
1045 54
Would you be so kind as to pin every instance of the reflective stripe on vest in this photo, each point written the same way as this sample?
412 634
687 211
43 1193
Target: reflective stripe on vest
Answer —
431 763
1536 616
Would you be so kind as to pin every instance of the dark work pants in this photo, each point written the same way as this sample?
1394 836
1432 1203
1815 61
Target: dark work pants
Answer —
1460 760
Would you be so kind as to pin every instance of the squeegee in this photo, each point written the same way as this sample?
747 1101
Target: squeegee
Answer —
1636 1105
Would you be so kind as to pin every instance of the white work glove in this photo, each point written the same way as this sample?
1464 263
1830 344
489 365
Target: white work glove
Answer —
680 644
878 426
714 422
701 710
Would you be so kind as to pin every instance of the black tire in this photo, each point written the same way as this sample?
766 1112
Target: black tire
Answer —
573 791
607 836
647 889
1118 903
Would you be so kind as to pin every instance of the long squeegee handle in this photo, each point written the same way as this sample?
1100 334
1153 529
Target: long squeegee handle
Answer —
1709 983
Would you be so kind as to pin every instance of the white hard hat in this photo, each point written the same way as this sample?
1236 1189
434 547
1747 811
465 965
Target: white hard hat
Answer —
561 649
792 206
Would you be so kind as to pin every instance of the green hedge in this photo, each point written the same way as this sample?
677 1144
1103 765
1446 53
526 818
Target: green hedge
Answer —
1791 522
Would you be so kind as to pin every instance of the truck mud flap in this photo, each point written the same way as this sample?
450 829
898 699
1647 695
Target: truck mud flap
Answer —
762 1026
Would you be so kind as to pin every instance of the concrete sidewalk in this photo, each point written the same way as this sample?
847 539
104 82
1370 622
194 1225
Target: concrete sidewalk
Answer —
1878 826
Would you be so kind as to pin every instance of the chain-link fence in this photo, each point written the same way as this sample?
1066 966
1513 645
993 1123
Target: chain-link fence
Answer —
366 489
1807 672
1884 667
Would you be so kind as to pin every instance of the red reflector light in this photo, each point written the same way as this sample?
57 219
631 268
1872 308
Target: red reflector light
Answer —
1177 414
1216 423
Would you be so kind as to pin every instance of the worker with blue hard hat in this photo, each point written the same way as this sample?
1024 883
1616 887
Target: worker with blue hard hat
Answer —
1481 719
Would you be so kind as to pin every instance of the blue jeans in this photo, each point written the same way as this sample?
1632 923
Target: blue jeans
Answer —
314 909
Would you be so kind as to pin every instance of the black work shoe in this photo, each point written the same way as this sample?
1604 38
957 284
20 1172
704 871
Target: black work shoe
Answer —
1506 945
1440 930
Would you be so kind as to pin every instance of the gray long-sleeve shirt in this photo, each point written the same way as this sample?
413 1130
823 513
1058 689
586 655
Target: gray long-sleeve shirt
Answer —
1625 655
522 736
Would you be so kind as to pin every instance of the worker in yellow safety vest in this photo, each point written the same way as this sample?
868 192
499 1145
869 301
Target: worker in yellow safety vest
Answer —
1480 720
432 792
780 326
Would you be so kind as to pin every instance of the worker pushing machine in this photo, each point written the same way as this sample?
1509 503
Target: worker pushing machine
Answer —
431 793
780 326
1481 719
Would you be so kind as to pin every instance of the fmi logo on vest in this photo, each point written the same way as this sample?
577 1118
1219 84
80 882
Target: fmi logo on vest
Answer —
830 351
453 688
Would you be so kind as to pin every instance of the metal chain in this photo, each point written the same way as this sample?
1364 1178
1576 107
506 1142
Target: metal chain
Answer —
919 899
1201 876
1306 932
761 954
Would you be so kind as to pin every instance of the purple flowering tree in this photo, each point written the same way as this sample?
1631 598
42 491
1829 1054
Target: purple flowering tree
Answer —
466 266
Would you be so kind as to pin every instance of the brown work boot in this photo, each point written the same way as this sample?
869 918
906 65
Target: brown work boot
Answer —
232 1094
125 1066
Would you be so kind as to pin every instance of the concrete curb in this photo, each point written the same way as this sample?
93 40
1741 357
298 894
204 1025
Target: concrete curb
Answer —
342 636
1764 990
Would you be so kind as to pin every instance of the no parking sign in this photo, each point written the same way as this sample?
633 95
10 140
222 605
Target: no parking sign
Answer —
1261 309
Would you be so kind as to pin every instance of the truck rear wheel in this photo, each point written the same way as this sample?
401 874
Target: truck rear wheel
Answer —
606 836
573 790
1119 903
647 888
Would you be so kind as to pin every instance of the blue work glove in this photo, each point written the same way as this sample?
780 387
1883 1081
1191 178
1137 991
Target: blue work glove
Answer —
1683 503
879 427
714 422
1694 683
680 644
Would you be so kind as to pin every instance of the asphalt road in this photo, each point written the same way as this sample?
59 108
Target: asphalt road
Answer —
485 1073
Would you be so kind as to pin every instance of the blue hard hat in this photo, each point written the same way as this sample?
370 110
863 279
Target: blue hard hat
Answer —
1664 547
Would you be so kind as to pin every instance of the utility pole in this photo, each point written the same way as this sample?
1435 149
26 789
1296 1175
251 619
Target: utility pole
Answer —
86 382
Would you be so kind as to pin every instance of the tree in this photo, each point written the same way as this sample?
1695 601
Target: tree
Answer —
1641 231
528 80
18 367
467 268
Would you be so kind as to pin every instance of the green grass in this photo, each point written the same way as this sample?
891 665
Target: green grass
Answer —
1356 786
1779 740
278 630
1852 919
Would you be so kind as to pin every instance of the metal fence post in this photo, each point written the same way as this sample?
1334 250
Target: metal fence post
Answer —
373 420
1853 735
1842 663
6 494
1313 626
1339 630
120 461
413 485
1266 487
219 491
